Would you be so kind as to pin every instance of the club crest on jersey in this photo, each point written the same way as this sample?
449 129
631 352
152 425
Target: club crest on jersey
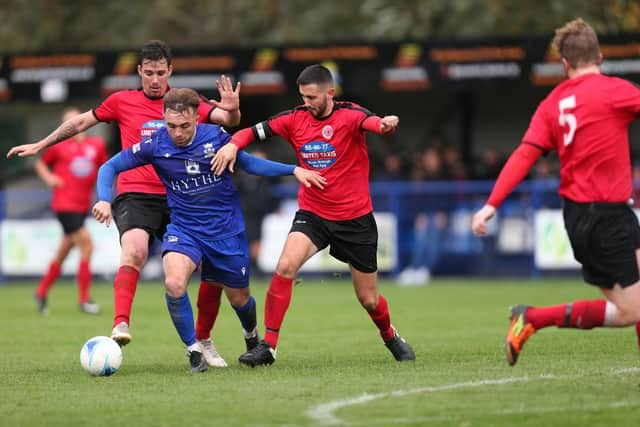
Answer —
327 132
193 167
208 150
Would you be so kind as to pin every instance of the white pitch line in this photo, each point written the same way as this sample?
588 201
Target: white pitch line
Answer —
323 414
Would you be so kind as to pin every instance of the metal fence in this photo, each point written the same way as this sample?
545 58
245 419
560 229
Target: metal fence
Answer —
433 223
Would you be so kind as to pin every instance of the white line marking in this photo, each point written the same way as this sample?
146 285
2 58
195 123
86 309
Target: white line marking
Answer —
323 414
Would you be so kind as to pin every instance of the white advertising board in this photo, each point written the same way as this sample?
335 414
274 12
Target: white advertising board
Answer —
29 245
552 246
275 229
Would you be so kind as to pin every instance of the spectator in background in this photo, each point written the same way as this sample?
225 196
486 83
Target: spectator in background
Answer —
428 233
70 169
454 167
428 166
257 200
429 225
490 164
393 168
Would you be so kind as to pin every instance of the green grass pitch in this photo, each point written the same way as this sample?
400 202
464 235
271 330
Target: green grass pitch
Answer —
332 368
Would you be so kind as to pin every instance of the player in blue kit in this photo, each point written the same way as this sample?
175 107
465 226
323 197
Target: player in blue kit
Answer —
207 227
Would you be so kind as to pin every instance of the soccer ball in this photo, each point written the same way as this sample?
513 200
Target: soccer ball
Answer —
101 356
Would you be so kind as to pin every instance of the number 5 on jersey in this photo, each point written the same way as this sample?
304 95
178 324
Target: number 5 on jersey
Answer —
568 119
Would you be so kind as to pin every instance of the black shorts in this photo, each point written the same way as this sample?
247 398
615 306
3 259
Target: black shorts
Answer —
71 221
354 241
604 238
148 212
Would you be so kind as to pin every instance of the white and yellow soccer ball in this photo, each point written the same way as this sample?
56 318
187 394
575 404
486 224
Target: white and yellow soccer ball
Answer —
101 356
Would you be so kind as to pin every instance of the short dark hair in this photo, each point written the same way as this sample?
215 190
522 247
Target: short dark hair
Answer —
577 42
155 50
181 100
315 74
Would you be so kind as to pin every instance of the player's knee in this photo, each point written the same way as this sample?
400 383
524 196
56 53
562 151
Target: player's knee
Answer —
135 256
627 313
630 313
240 298
174 287
286 267
368 301
86 249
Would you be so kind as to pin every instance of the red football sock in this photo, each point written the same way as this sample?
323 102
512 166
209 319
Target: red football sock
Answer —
275 307
542 317
124 288
380 316
581 314
48 279
84 280
208 307
638 333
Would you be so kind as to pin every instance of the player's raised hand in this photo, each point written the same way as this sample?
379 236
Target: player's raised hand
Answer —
223 158
229 97
308 178
25 150
102 212
480 218
389 123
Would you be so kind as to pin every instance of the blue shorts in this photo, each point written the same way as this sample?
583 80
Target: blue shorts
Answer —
223 261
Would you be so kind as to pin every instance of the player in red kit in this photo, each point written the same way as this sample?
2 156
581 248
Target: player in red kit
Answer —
71 169
585 119
140 210
328 136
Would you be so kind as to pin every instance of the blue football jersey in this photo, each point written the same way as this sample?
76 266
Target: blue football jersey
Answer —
199 200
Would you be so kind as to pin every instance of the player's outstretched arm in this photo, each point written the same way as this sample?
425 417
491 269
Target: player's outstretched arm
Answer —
514 171
106 174
227 111
66 130
102 212
381 126
258 166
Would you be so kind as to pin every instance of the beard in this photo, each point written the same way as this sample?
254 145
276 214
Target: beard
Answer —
320 111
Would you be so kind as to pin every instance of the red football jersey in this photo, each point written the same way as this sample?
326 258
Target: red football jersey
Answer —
336 147
138 116
586 120
76 163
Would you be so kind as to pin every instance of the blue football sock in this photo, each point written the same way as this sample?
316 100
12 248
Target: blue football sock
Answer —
182 316
247 314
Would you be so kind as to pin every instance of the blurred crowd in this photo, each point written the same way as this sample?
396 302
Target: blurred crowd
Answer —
440 161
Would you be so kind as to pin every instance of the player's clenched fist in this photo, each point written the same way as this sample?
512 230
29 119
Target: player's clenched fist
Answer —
102 212
389 123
